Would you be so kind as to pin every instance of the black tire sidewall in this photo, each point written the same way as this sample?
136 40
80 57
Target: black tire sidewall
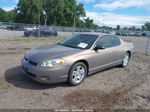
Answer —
71 70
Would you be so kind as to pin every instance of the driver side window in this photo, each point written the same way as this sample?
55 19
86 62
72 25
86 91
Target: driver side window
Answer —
105 41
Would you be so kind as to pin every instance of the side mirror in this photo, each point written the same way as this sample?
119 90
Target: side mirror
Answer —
99 47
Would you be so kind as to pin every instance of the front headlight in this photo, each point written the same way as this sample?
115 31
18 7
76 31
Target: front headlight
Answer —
53 63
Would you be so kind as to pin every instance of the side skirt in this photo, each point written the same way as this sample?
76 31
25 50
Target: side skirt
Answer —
100 69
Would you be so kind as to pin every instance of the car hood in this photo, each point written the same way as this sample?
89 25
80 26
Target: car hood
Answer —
50 52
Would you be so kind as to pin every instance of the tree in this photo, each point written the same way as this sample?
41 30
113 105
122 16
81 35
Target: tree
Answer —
12 15
53 9
72 11
54 12
29 11
146 26
88 23
49 12
118 27
107 28
126 28
3 17
133 28
143 28
80 24
8 16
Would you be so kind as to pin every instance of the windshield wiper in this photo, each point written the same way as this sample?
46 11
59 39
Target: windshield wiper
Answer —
69 46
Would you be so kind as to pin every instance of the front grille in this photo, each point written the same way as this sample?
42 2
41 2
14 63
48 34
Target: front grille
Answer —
32 63
31 75
26 59
24 69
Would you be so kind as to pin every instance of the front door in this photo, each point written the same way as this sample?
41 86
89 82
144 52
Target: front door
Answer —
103 57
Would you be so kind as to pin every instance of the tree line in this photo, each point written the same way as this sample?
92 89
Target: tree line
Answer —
145 27
49 12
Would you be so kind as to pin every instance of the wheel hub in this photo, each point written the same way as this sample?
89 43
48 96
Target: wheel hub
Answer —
126 60
78 74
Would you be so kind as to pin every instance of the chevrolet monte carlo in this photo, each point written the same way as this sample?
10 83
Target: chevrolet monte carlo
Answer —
73 59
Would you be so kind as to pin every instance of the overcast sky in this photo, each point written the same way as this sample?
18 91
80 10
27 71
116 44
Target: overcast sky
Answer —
108 12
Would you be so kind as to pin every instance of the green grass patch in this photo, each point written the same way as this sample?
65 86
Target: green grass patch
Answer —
51 38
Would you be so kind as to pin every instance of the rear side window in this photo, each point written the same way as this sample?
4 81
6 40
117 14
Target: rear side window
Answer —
108 41
115 40
104 41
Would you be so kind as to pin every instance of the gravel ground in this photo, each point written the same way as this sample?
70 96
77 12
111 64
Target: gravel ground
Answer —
115 88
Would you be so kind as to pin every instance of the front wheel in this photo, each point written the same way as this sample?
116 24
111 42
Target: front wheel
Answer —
77 74
125 60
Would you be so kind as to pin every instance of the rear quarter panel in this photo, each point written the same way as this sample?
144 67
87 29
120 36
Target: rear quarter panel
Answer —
128 46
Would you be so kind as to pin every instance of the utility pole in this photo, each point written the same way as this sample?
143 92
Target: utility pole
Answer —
39 16
14 31
74 25
45 14
39 26
148 42
98 20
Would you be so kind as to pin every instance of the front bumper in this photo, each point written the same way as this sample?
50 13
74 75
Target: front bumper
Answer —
45 75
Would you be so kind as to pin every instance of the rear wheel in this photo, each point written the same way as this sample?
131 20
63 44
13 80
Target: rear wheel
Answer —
77 74
125 60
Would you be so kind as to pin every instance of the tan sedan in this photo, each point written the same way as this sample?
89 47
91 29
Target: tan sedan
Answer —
75 58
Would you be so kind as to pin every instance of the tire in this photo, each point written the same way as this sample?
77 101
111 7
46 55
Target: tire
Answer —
125 60
26 34
76 77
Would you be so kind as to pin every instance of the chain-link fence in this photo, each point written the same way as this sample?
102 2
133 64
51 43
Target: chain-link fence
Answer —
18 30
14 31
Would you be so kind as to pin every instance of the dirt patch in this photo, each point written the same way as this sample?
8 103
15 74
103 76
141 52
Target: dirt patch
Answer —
140 57
133 77
10 52
95 99
26 48
12 48
115 88
13 51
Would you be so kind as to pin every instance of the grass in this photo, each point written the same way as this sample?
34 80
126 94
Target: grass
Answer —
39 38
20 40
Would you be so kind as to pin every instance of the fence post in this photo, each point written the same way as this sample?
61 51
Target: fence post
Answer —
147 46
14 31
74 25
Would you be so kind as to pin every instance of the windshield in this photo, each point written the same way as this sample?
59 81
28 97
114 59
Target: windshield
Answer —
81 41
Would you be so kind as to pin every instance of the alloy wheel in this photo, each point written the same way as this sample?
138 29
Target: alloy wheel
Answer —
126 59
78 74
